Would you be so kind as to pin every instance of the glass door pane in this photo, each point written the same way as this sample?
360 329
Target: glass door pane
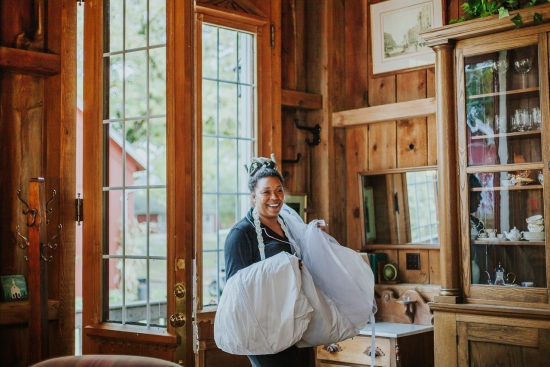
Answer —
504 157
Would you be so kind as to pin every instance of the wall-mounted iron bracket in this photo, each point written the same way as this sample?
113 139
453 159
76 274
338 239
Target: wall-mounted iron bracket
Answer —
316 131
293 161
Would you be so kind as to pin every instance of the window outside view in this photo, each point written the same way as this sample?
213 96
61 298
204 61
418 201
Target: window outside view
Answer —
228 143
135 163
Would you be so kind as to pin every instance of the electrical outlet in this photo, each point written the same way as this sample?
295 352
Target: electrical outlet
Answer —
413 261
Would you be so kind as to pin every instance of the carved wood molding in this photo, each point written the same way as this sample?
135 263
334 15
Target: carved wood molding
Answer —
410 308
239 5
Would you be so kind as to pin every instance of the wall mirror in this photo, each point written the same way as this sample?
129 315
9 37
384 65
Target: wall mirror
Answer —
399 207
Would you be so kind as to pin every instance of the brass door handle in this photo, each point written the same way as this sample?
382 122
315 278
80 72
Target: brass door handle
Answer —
177 320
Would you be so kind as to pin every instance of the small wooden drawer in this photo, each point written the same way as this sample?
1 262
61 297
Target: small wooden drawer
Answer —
353 352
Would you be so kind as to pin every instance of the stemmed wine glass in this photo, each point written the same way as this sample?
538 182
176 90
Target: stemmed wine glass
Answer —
501 67
523 66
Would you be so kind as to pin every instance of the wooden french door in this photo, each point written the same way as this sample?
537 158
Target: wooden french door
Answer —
138 217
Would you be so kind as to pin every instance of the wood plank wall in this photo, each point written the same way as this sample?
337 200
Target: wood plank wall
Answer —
38 126
391 144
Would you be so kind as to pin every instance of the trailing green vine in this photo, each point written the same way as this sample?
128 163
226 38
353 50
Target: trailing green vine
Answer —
486 8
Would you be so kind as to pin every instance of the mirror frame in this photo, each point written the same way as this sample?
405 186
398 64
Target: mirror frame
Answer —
364 245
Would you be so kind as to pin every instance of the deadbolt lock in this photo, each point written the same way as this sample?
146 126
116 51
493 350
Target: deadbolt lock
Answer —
179 290
177 320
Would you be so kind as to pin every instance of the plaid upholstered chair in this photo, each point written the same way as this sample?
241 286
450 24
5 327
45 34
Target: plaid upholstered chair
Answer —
105 361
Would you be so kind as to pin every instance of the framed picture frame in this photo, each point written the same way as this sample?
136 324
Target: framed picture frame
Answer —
298 202
369 221
395 27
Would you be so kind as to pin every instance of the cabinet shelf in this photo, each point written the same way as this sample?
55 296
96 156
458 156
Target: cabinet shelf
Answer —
505 93
508 188
509 243
505 167
509 135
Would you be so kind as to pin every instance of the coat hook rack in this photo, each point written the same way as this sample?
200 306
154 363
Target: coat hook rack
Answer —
30 211
49 211
316 131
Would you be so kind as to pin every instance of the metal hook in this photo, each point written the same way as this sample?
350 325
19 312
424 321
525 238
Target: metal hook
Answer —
24 239
293 161
316 131
44 247
51 239
48 211
30 211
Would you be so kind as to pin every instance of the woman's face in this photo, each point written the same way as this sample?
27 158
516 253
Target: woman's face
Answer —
268 197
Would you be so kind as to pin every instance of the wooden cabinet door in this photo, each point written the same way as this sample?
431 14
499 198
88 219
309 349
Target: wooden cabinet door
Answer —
502 345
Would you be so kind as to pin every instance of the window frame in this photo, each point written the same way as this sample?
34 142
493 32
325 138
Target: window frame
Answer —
258 26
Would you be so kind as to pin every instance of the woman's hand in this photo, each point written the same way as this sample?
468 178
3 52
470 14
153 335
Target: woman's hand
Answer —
322 224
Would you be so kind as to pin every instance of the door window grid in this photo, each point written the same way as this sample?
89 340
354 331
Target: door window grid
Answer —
215 226
424 224
118 310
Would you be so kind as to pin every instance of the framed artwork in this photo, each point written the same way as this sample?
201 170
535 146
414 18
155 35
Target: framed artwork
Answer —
298 202
369 223
395 28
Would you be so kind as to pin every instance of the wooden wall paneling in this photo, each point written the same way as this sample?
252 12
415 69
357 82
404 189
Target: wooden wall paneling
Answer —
272 92
356 161
60 167
356 54
412 146
288 45
381 145
421 276
325 42
435 267
382 90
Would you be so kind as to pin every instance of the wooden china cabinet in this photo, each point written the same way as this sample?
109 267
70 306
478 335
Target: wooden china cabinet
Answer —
493 110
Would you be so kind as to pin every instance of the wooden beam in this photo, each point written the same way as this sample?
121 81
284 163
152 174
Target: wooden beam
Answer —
388 112
310 101
29 62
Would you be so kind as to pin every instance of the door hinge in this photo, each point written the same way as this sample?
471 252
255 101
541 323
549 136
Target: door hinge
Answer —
272 35
79 217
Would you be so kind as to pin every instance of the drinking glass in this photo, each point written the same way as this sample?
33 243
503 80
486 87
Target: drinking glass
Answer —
536 118
501 67
523 119
523 66
500 123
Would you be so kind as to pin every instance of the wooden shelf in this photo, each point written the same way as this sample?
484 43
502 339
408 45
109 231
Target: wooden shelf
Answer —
387 112
509 243
411 246
505 93
18 312
29 62
505 167
309 101
508 188
507 135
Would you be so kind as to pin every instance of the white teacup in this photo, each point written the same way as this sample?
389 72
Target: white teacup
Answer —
482 235
492 234
490 230
500 235
535 227
535 219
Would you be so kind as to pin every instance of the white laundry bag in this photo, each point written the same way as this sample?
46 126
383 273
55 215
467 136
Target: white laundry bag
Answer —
272 305
338 272
263 309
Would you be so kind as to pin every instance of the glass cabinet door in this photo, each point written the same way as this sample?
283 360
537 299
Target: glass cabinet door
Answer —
503 123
